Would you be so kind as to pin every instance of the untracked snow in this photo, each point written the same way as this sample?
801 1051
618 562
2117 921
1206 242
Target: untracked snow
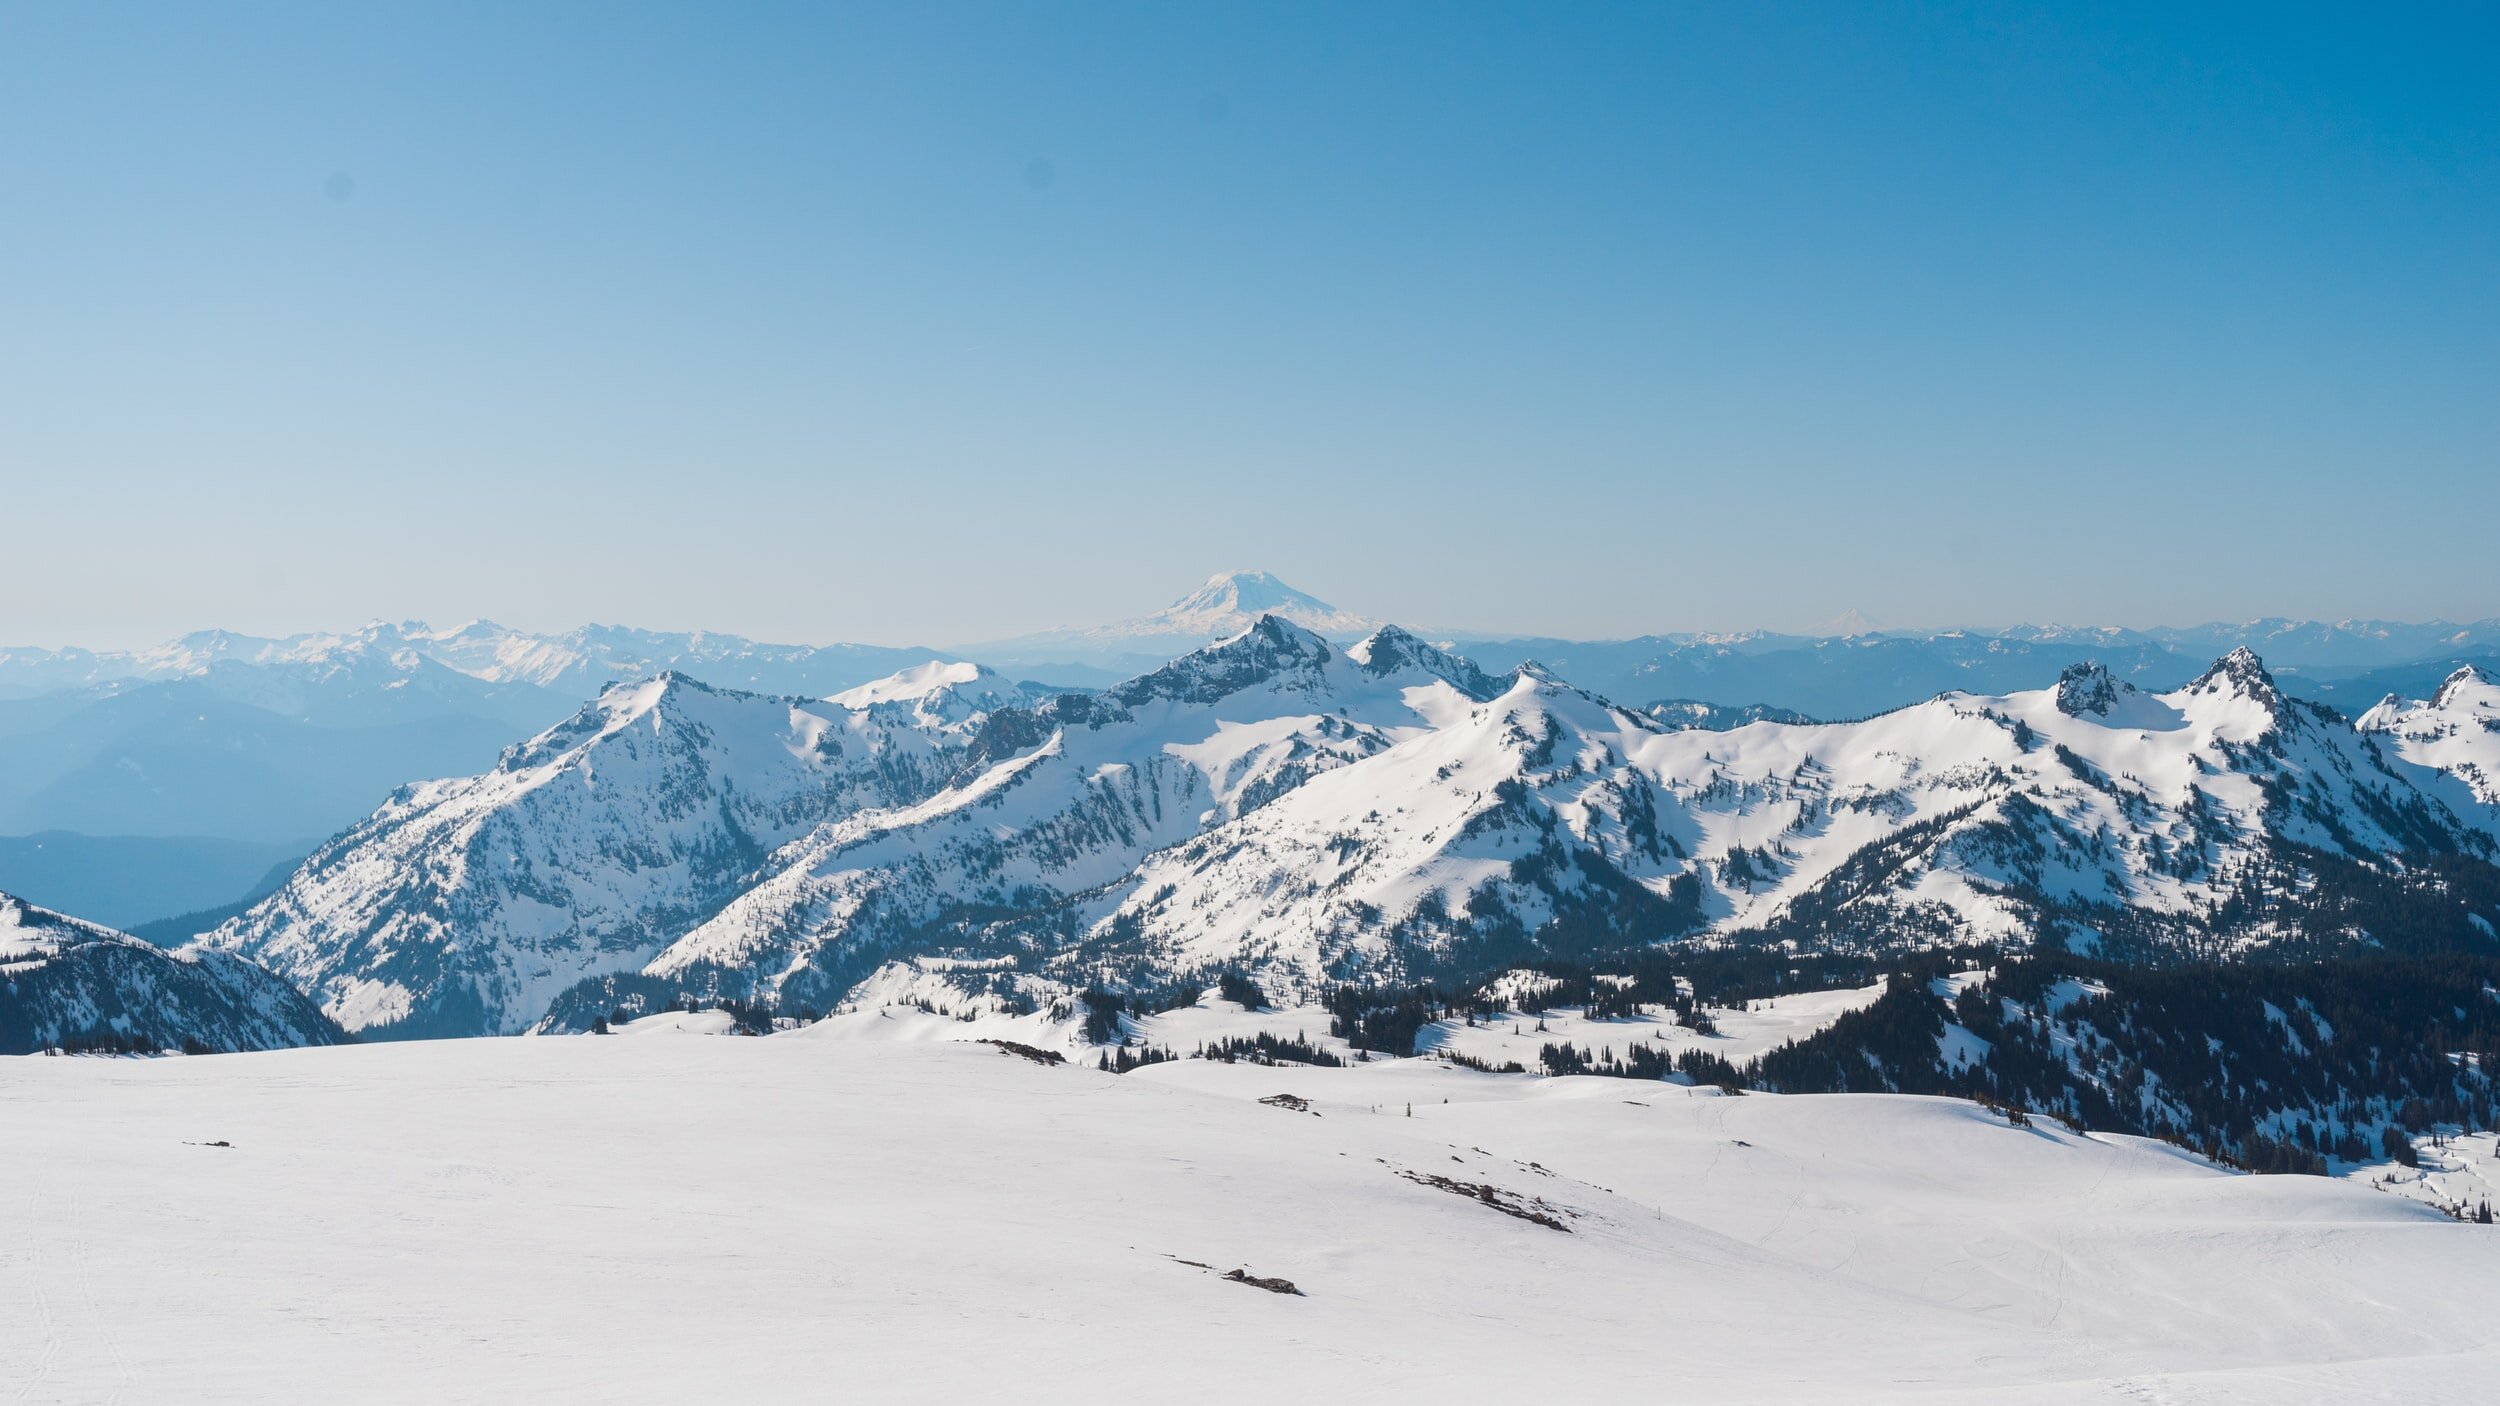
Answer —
684 1218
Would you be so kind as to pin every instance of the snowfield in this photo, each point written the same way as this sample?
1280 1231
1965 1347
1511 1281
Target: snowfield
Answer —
678 1217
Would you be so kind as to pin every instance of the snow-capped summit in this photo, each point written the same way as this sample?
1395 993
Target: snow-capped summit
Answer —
68 982
1848 625
943 695
1390 649
1270 650
2457 732
1230 600
2468 687
918 681
2240 671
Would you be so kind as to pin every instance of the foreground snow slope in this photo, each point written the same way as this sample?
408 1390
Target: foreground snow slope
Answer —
682 1217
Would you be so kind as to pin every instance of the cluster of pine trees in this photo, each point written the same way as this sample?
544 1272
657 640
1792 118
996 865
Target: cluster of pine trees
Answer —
2272 1066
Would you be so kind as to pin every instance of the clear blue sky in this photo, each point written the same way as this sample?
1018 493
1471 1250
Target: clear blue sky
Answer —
919 322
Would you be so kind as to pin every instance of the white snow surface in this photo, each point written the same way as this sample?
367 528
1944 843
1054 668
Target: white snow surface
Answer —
2456 731
600 1219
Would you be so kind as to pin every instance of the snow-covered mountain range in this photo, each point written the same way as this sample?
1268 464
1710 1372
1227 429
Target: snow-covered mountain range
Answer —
1280 804
466 906
2091 815
69 983
280 741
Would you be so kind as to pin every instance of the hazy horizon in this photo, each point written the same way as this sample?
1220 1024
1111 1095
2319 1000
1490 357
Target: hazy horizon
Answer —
1829 628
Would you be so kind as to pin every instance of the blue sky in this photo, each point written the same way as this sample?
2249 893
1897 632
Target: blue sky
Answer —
920 322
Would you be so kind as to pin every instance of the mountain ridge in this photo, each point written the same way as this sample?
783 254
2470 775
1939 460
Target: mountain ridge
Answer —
1273 802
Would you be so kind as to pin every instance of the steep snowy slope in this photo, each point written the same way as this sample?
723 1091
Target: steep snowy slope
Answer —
462 907
66 982
2221 814
1075 793
1522 826
943 693
2456 732
693 1219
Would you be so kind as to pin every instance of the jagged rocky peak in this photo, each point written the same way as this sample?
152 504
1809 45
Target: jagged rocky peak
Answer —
2088 689
2242 672
1271 650
1390 649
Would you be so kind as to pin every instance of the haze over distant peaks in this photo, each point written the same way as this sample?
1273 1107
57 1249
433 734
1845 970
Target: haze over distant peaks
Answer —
1229 603
1849 624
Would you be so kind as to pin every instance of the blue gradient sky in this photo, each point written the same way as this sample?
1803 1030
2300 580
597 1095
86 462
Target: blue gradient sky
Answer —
920 322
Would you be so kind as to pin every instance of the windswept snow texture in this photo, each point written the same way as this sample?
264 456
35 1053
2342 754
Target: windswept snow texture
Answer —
463 907
690 1218
69 983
